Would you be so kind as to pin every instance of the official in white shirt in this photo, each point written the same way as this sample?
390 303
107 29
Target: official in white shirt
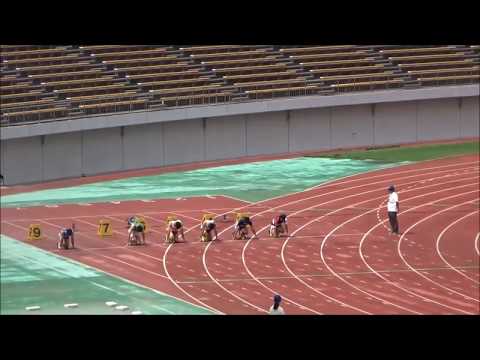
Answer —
393 207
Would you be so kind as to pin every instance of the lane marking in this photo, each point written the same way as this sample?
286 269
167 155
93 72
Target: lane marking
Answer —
476 244
437 245
323 244
113 275
362 256
271 209
402 238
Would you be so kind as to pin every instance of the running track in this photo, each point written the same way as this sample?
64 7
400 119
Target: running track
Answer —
338 259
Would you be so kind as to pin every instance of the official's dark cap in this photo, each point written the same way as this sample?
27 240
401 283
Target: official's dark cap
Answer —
391 188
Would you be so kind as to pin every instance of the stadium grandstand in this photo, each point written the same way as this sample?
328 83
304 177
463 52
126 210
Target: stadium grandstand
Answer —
52 82
158 179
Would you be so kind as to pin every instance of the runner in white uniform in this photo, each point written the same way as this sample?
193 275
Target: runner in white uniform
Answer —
207 227
174 228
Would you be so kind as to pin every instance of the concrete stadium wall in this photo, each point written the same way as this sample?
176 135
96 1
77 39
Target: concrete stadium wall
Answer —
438 119
143 146
46 157
225 137
469 117
267 133
102 151
184 141
22 160
62 156
352 126
395 123
310 129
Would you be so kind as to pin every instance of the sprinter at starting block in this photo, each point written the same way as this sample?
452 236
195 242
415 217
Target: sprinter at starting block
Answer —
66 238
208 228
174 230
242 226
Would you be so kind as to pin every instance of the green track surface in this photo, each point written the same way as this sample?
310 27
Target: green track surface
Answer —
251 182
418 153
33 277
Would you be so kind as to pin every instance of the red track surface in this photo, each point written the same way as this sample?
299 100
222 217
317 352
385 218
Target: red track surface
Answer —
339 259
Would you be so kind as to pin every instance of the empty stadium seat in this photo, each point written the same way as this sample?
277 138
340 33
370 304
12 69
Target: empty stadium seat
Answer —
47 82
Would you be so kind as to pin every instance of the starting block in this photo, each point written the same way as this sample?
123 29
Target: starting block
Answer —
171 218
142 221
208 217
241 216
34 232
104 228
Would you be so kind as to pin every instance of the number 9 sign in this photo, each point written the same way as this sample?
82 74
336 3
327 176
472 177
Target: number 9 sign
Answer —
34 232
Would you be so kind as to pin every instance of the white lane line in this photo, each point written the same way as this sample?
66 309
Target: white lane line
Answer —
150 229
207 247
303 307
355 180
174 282
236 199
402 238
116 276
323 244
363 257
222 287
181 288
113 258
327 184
391 174
185 216
476 244
286 241
270 209
439 238
329 275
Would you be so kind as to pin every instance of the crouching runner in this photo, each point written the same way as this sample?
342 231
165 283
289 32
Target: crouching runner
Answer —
279 226
136 231
66 238
242 227
208 228
174 230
